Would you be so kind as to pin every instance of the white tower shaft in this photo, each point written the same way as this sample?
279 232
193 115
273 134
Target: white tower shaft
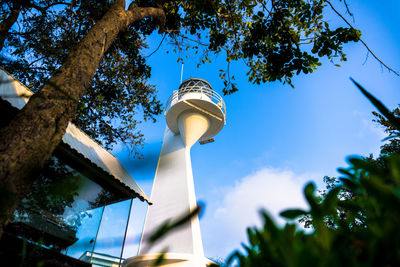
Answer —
193 112
173 195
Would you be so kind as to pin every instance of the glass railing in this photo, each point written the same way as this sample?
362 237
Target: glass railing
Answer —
196 86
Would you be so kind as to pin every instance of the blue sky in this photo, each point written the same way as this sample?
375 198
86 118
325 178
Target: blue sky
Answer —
276 138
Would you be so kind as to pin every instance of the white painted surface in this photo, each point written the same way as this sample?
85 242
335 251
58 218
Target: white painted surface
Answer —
13 91
196 95
172 196
202 106
192 126
190 118
170 260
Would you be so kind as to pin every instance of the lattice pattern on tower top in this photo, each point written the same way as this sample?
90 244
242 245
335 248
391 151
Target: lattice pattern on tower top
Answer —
196 86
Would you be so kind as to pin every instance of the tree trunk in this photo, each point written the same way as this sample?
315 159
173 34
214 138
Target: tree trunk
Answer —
7 23
30 139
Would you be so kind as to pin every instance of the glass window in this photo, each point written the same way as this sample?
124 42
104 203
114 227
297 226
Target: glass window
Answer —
57 204
134 233
86 234
112 229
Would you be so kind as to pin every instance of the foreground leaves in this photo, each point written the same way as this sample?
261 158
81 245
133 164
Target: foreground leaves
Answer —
356 223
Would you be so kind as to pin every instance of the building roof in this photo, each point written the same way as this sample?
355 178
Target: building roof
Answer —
78 144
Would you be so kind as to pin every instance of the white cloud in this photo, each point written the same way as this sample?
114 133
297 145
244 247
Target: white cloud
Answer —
370 130
224 225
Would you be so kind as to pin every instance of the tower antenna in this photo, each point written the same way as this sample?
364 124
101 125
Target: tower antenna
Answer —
181 72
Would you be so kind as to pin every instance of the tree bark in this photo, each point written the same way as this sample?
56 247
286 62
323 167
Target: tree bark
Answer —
30 139
7 23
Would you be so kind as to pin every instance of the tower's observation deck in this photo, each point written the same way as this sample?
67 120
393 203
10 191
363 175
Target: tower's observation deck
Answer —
196 96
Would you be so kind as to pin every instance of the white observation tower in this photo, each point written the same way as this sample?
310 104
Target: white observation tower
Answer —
194 112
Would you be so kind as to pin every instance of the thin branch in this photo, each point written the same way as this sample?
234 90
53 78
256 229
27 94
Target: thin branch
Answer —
348 10
190 39
267 10
176 30
44 8
366 58
33 62
366 46
178 44
229 75
158 47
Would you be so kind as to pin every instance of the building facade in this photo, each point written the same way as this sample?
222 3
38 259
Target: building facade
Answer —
79 178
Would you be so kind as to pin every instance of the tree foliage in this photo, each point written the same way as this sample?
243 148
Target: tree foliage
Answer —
53 190
357 229
393 146
276 40
118 94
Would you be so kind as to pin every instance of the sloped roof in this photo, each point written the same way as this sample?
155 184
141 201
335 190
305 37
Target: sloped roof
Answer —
18 95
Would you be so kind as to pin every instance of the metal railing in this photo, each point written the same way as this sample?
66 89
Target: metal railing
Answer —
195 86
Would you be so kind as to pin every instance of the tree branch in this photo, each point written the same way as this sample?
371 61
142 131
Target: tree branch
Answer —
348 9
193 40
6 24
158 47
136 13
44 8
366 46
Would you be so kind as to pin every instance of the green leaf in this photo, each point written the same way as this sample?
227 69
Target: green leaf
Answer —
378 104
331 198
309 194
293 213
